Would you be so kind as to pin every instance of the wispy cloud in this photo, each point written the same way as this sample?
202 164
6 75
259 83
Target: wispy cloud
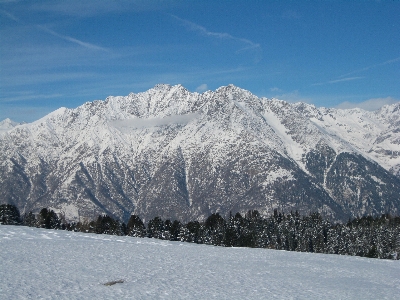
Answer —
275 89
345 79
71 39
46 77
248 45
30 97
127 125
9 15
202 88
391 61
56 34
370 104
338 80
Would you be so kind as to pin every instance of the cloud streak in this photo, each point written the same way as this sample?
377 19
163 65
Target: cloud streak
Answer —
71 39
248 45
339 80
388 62
56 34
345 79
10 16
30 97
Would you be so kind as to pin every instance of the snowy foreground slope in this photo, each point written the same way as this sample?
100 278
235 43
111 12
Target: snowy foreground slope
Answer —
47 264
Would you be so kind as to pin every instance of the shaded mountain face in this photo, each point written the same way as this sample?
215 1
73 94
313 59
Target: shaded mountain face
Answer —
180 155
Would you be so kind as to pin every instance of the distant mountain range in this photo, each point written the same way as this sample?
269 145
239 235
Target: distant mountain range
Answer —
175 154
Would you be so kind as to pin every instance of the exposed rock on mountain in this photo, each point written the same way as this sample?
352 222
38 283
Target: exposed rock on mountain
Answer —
175 154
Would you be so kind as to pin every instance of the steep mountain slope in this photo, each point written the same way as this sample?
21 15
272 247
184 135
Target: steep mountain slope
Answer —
176 154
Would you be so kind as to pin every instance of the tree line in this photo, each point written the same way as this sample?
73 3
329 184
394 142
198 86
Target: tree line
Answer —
377 237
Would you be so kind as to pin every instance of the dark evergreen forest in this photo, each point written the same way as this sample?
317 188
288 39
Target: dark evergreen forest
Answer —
376 237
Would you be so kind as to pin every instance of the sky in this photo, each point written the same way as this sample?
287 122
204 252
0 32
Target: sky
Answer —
339 54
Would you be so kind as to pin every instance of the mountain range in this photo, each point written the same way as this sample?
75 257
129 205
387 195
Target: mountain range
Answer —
179 155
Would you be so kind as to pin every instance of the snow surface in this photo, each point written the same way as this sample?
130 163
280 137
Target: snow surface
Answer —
50 264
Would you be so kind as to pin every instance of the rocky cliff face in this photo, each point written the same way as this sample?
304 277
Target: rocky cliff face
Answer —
175 154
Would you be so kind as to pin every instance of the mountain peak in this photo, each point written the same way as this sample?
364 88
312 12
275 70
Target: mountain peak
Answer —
7 124
7 121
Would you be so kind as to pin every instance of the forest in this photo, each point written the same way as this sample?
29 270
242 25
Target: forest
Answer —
367 236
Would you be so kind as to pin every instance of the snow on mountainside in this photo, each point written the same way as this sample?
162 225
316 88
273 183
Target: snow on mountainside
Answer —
42 264
7 125
172 153
375 134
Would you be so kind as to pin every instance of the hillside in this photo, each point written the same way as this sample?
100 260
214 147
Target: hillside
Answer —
39 263
175 154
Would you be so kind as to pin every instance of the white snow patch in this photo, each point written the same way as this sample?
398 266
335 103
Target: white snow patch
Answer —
50 264
294 149
360 130
280 173
376 179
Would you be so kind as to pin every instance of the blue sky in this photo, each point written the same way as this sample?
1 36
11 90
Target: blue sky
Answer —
65 53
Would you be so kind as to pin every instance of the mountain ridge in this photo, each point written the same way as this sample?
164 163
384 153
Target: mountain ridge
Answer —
184 155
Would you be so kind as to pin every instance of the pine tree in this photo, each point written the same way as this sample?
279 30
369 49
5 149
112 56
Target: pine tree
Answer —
29 219
155 228
192 233
174 230
230 237
107 225
48 219
135 227
9 215
215 230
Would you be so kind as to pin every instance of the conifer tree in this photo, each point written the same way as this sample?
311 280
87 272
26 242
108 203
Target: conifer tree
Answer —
48 219
174 230
135 227
9 214
155 228
215 230
29 219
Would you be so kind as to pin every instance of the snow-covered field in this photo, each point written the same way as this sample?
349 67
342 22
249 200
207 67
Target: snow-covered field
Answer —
50 264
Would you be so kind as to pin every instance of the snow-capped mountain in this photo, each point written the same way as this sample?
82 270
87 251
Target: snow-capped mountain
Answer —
172 153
